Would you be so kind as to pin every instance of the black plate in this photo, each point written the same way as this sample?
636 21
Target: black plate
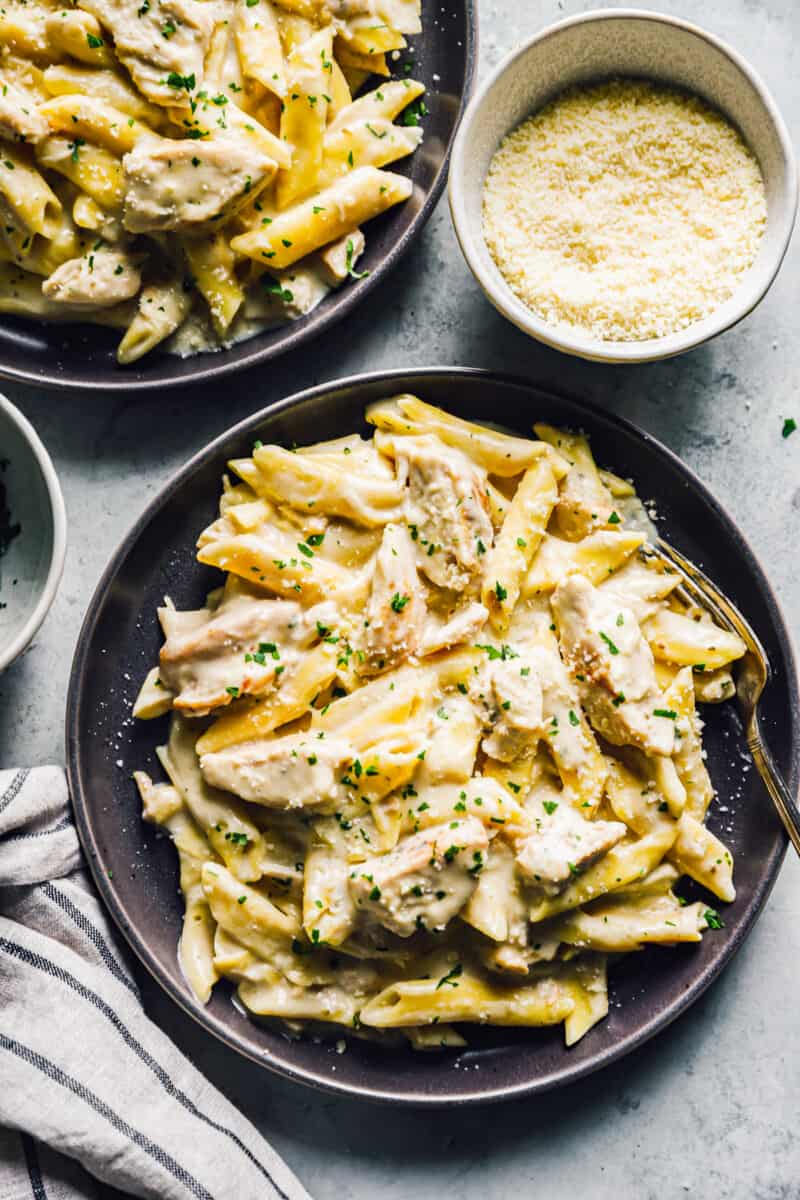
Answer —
120 640
83 356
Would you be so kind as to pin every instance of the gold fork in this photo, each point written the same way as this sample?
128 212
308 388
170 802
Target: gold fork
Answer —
753 675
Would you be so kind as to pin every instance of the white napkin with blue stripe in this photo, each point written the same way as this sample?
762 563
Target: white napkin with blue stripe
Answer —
85 1074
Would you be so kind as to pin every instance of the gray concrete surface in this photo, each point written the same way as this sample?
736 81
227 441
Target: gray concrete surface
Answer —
708 1109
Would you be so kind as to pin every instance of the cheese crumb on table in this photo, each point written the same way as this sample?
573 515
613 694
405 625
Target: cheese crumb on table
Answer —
625 209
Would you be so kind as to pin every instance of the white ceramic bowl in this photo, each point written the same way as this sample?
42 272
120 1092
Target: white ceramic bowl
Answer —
31 568
622 42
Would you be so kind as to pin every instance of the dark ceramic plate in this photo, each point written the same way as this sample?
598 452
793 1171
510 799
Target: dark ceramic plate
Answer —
136 871
83 356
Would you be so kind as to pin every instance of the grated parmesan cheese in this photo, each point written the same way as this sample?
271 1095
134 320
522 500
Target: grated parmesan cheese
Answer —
624 209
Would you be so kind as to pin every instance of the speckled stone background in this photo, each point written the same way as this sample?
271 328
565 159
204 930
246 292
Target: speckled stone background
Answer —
708 1109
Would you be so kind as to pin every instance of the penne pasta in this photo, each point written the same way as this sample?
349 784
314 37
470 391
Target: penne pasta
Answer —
361 195
402 797
26 192
198 137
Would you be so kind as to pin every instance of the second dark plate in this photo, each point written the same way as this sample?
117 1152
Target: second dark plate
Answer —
83 356
137 872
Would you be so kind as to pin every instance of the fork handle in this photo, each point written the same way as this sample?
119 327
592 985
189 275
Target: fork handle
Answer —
774 782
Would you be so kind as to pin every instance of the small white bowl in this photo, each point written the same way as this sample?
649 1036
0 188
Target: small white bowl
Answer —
622 42
31 568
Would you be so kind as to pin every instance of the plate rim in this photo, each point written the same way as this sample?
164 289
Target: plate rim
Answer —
314 1078
213 372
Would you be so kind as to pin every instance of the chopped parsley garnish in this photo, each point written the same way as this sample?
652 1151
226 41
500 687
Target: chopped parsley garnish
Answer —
375 894
232 691
450 979
713 919
315 539
613 519
399 602
573 717
550 806
282 293
177 81
500 592
665 712
612 649
94 42
350 250
238 839
504 653
789 426
412 114
477 863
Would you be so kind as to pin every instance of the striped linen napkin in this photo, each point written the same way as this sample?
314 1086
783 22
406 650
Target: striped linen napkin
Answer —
85 1074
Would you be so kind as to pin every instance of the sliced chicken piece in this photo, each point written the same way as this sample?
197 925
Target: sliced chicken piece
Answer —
584 504
162 43
604 648
512 960
396 606
425 881
19 119
238 651
336 260
290 294
297 771
99 279
511 695
462 625
181 186
564 844
448 511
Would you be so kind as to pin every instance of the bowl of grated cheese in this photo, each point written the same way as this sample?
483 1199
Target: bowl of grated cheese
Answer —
623 187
